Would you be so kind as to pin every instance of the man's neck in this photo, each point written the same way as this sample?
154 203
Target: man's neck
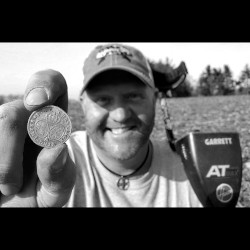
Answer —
124 167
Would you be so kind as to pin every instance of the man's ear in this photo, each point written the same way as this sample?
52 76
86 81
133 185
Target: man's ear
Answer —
82 100
156 90
156 93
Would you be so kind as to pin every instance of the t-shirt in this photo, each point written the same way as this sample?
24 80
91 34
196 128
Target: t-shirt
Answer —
165 184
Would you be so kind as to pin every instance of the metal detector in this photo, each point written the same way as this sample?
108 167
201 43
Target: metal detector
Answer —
212 161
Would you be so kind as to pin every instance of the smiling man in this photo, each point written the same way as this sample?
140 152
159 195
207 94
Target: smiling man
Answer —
114 163
117 163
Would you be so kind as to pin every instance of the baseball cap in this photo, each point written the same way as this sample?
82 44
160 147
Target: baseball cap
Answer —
117 56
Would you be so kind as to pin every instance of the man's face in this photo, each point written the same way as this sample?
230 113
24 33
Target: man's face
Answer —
119 114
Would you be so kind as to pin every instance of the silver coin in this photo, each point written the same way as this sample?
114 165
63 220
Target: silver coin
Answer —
49 126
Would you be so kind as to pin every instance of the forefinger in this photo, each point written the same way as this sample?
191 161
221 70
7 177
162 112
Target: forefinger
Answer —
13 122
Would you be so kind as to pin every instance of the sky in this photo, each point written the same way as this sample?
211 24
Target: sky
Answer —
18 61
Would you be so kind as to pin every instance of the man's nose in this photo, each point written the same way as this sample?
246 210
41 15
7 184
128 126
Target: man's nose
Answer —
120 114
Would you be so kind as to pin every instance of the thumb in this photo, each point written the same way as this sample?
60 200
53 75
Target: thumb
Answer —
46 87
56 172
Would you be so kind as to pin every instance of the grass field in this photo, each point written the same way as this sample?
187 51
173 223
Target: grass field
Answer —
207 114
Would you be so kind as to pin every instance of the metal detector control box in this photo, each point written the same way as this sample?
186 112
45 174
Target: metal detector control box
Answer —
213 164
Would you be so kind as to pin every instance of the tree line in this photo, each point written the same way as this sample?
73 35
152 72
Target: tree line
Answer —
212 81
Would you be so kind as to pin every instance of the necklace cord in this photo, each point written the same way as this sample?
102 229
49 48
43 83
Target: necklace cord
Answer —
119 175
129 175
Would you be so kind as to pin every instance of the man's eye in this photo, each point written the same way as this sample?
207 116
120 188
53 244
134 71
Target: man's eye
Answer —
134 97
103 101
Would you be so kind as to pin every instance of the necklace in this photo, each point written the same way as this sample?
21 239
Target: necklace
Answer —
123 181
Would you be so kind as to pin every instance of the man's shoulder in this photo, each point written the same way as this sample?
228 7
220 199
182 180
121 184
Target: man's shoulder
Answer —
162 148
169 164
80 135
160 142
168 161
77 139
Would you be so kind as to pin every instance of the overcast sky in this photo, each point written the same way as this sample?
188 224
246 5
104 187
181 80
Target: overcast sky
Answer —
18 61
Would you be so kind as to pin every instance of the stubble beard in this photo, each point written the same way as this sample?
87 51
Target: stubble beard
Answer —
122 150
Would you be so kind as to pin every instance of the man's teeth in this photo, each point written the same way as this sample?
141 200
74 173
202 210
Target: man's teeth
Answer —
118 131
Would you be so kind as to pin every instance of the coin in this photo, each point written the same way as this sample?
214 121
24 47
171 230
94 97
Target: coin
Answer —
49 126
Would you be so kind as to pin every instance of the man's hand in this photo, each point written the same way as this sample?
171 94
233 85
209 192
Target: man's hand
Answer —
29 175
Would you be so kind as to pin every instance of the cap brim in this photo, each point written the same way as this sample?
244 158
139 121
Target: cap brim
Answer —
136 73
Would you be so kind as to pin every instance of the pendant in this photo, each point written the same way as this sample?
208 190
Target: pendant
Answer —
123 183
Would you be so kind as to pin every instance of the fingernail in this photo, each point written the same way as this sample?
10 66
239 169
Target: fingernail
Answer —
8 189
36 97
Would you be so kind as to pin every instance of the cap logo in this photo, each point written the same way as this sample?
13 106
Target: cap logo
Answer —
113 49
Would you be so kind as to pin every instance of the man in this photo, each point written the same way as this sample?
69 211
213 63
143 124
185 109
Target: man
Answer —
111 164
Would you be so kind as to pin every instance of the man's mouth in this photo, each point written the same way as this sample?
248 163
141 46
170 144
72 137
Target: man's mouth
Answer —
120 131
